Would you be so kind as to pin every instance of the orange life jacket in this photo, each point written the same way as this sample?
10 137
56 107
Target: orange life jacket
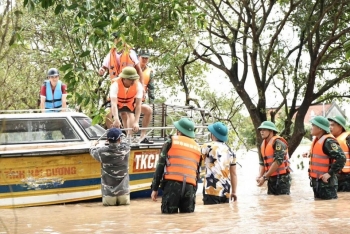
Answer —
116 67
319 162
126 97
267 151
182 160
342 142
146 74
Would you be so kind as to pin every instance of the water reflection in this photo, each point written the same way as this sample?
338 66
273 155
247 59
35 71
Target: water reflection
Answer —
254 212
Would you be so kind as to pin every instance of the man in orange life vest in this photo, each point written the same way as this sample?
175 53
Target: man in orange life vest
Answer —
338 130
116 60
178 166
148 78
274 163
327 159
53 93
126 95
147 74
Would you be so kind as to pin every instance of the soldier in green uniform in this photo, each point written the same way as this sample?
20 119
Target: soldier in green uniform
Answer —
338 130
327 159
274 161
177 170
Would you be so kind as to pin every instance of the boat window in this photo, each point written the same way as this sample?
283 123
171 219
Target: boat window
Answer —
92 132
20 131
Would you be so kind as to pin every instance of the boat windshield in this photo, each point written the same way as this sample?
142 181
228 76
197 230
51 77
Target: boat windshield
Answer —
24 131
93 132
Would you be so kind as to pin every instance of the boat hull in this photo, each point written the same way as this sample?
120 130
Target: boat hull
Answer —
54 179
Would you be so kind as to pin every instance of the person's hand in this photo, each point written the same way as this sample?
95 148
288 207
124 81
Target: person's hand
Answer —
233 197
135 127
116 123
94 143
102 71
257 179
261 181
325 177
154 195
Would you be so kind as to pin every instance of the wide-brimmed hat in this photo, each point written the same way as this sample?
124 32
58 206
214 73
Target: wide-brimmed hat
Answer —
185 126
339 120
321 122
219 130
144 53
129 73
268 125
114 134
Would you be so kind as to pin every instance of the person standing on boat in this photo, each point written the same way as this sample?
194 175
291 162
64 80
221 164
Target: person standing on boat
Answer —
126 98
338 130
178 168
148 76
327 159
274 161
148 85
53 93
220 167
114 160
115 61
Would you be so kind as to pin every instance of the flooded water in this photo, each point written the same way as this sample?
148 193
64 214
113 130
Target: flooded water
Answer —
254 212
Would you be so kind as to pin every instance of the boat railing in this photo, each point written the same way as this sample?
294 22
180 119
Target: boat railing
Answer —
36 111
201 135
164 115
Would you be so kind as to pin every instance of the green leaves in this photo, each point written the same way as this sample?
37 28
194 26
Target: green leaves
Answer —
100 24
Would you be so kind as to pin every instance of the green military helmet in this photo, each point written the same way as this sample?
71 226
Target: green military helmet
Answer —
268 125
129 73
185 126
321 122
339 120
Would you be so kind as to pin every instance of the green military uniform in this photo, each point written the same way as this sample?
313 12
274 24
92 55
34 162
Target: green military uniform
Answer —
172 189
328 190
150 88
344 178
280 184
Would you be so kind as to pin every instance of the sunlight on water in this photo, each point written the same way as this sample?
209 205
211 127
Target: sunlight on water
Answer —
254 212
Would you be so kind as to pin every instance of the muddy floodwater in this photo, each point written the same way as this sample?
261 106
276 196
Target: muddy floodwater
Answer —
254 212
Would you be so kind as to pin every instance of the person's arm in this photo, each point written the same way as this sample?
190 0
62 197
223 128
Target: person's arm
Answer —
42 98
139 72
105 65
94 152
334 151
150 88
158 174
233 176
64 102
64 97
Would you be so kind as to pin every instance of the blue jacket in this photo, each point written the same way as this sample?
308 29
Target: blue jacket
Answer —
56 100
